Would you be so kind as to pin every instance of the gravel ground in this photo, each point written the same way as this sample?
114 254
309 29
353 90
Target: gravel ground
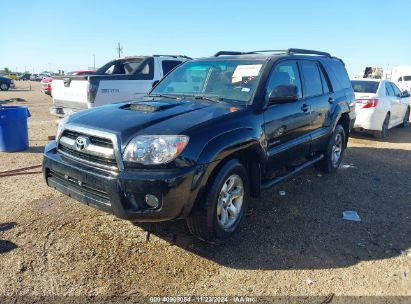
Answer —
296 244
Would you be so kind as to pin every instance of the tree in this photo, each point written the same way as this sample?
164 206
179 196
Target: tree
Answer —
7 71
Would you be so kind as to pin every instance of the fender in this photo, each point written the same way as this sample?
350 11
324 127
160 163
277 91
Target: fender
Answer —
230 142
217 149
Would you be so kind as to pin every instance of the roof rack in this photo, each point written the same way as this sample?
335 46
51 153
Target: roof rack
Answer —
174 56
308 52
288 52
220 53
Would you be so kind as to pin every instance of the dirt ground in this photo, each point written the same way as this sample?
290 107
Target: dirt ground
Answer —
296 244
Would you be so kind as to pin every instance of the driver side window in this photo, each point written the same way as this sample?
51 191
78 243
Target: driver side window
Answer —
284 73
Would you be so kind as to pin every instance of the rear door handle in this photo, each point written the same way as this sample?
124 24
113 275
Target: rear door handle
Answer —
330 100
305 107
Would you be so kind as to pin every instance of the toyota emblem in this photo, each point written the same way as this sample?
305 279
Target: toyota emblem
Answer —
82 143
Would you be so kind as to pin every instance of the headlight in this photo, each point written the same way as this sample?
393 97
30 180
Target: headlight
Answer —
154 149
60 126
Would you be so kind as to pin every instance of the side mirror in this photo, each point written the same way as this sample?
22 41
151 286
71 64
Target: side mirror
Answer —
155 83
284 93
405 94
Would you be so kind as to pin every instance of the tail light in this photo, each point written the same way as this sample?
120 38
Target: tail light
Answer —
92 91
368 103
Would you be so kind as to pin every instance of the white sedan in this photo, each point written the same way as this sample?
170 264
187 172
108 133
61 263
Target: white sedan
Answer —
380 106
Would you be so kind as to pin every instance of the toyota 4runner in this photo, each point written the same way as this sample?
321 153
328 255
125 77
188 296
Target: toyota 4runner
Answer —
209 135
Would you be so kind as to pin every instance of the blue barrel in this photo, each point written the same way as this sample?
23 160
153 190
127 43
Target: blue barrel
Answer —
13 128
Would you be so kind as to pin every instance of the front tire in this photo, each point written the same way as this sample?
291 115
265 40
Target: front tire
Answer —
406 119
384 129
334 151
4 86
220 213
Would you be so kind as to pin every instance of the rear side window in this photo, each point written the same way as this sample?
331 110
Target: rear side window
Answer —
284 73
365 86
338 74
312 79
326 88
169 65
389 89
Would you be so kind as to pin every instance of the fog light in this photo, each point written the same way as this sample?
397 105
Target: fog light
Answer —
152 201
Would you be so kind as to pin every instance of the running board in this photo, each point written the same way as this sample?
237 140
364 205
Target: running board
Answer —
276 180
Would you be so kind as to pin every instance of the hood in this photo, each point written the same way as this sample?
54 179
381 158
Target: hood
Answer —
154 117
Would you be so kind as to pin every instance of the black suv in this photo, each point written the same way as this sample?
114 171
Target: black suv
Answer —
210 134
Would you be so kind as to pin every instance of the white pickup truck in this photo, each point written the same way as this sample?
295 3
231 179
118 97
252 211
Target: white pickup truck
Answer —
119 80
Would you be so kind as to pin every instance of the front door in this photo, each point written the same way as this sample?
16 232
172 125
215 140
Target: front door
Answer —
286 125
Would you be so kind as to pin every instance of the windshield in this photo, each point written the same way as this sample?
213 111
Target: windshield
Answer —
407 78
365 86
229 80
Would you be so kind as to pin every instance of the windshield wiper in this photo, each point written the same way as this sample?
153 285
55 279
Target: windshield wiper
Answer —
164 95
209 98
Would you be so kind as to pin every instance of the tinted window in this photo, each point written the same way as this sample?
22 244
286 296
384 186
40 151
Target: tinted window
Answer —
365 86
168 65
312 79
389 89
337 73
284 73
396 90
407 78
326 88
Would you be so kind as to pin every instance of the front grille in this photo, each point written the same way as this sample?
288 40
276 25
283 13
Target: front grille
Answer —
103 142
92 190
88 157
99 151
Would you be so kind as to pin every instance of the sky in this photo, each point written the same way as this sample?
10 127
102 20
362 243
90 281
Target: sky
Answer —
65 35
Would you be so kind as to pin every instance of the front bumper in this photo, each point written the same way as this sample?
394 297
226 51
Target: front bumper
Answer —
123 193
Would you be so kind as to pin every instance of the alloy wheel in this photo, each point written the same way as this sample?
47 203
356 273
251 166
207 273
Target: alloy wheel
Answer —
230 202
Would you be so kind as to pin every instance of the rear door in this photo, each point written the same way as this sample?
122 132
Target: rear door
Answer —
286 125
318 97
394 104
400 104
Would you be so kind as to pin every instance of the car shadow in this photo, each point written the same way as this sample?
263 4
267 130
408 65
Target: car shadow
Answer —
6 246
304 229
395 135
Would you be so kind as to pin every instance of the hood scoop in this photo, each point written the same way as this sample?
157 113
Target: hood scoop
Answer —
150 107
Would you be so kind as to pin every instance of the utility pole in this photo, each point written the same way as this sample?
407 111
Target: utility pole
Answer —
94 62
119 50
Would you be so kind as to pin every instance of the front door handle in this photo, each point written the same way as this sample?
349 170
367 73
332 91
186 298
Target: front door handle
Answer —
305 107
330 100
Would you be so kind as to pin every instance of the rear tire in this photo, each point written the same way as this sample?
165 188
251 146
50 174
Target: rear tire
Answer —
406 119
4 86
334 151
220 213
384 129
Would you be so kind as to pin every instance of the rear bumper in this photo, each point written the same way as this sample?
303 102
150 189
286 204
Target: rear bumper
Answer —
122 193
369 119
